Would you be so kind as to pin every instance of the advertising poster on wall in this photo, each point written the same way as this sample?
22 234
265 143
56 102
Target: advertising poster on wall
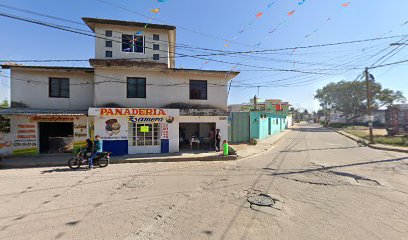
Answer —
80 132
24 137
164 131
5 144
112 128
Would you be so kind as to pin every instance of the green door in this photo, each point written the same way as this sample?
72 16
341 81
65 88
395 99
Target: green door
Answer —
240 127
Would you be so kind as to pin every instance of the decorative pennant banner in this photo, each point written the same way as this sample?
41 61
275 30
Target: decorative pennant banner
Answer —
301 3
156 10
258 15
346 4
291 13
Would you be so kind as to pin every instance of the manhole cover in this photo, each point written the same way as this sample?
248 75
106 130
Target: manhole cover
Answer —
261 200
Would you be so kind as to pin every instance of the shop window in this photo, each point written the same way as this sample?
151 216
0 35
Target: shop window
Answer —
198 89
144 134
136 87
132 43
59 87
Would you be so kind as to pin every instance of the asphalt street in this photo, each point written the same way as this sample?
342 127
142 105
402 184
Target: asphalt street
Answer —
321 184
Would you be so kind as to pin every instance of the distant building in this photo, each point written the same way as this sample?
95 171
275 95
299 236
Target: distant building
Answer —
339 117
248 122
396 119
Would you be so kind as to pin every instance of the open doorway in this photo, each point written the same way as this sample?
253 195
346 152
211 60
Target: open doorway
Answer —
56 137
196 136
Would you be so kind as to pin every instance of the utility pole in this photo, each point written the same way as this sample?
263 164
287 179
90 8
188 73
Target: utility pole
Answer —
370 117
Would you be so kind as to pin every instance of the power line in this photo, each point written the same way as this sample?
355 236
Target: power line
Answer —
182 55
388 64
178 26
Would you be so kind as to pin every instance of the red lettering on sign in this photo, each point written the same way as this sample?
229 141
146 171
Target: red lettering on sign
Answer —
118 111
161 112
104 111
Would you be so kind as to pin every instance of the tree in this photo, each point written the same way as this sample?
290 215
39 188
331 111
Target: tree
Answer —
4 120
349 97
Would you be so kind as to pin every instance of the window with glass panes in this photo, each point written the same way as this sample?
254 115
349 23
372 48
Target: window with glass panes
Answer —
137 137
132 43
136 87
58 88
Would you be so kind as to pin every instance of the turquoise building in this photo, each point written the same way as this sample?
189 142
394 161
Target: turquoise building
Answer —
244 126
260 124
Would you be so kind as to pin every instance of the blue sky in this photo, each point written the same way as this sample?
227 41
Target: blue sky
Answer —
362 19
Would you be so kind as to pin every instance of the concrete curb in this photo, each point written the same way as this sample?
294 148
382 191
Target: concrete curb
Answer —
217 158
366 143
197 159
270 146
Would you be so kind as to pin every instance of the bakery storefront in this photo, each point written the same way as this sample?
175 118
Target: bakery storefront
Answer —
136 130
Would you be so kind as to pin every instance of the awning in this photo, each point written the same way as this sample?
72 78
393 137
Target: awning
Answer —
42 112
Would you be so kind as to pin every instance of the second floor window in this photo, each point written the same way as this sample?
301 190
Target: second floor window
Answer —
132 43
198 89
136 87
59 87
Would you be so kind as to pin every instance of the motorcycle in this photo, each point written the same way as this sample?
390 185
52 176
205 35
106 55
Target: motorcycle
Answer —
82 158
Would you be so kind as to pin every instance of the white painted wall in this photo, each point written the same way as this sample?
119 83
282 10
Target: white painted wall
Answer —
220 122
36 93
117 31
289 121
156 95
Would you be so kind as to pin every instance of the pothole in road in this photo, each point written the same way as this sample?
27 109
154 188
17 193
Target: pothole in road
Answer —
357 178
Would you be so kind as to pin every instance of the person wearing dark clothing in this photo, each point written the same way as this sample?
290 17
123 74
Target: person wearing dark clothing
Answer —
89 146
88 150
218 139
98 149
212 138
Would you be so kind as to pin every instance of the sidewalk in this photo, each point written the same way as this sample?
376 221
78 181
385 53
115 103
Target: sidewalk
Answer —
243 151
62 159
246 150
375 146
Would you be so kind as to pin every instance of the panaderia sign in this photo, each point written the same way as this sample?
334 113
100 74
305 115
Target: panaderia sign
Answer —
142 112
137 115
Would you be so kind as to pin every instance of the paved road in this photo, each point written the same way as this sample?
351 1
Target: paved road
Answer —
325 186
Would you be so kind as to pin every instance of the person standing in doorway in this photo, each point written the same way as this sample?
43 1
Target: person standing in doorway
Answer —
98 149
218 139
212 139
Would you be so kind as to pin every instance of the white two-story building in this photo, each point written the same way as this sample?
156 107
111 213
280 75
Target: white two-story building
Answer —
133 96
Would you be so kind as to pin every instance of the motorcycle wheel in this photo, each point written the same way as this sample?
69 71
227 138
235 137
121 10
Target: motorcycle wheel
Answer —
103 162
74 163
